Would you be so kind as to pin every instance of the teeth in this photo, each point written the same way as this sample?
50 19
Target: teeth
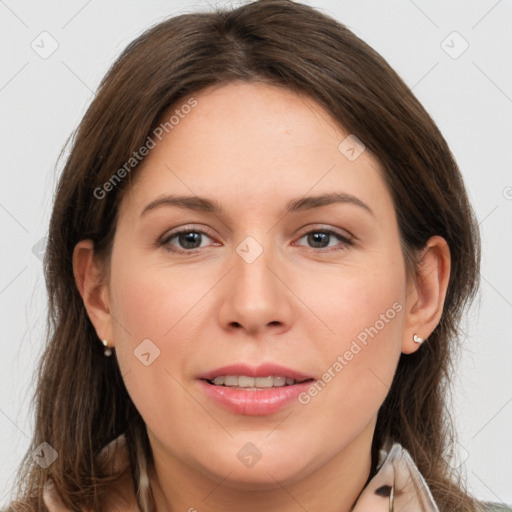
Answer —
231 381
280 381
243 381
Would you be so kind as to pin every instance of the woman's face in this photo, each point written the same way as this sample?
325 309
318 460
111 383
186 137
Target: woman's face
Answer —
273 283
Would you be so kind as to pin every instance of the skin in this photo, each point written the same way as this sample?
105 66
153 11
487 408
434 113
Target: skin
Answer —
252 148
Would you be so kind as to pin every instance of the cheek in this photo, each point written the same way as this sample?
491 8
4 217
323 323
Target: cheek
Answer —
155 301
362 304
364 312
153 312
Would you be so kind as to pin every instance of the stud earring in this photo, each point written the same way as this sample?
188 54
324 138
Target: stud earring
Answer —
417 339
108 350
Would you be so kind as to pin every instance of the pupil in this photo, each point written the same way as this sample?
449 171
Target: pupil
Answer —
318 238
188 240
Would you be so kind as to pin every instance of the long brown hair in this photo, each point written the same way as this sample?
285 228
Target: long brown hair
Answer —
81 403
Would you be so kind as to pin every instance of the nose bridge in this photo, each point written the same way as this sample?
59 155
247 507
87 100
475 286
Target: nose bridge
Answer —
252 275
254 297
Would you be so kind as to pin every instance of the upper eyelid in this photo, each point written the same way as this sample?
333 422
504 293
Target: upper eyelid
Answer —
306 230
336 231
186 229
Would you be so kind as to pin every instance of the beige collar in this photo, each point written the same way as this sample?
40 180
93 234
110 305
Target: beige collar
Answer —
397 485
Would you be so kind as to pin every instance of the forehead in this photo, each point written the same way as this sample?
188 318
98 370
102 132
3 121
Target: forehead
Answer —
249 142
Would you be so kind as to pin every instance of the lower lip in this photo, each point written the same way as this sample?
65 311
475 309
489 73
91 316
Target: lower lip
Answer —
254 403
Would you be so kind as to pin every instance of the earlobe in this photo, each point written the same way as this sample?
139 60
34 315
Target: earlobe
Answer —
92 288
426 294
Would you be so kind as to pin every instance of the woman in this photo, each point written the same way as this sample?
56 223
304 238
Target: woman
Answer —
258 257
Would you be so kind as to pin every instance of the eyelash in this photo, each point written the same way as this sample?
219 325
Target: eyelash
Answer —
165 242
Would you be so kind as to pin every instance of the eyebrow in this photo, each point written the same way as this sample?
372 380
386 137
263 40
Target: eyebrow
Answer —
203 204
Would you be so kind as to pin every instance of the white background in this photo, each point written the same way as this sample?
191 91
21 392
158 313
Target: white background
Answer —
470 97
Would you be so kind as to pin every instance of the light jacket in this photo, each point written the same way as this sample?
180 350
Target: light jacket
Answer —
397 484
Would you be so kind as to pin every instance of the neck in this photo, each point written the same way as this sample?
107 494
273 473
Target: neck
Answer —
333 487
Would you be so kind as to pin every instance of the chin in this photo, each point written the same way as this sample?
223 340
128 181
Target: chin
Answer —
265 478
266 473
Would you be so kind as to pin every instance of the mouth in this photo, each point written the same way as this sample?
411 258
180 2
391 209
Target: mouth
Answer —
248 383
254 391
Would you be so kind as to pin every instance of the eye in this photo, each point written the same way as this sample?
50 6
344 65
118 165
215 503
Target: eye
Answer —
188 240
322 238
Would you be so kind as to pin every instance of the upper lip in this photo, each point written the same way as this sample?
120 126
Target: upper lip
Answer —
262 370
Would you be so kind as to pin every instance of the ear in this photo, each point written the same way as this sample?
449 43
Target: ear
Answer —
94 291
426 291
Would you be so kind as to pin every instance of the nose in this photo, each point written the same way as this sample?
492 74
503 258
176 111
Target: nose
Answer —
255 295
